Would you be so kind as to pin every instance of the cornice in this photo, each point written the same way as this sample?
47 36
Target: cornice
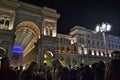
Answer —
19 6
9 3
50 14
23 8
6 11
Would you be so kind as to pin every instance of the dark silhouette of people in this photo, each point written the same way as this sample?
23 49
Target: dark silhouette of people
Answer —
6 72
113 70
99 71
116 55
87 74
31 72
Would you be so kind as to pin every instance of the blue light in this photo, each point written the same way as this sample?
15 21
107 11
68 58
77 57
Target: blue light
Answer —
17 49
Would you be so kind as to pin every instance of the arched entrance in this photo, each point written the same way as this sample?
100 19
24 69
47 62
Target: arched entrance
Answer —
2 52
27 34
48 57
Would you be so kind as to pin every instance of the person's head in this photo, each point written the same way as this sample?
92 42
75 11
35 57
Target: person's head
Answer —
56 63
33 66
116 55
113 71
5 62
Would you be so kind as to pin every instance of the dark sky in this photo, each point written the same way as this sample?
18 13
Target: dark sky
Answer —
86 13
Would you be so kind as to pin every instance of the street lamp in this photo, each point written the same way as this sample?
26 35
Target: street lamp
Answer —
105 27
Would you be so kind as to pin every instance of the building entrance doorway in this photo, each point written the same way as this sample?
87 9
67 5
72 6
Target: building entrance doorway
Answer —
48 57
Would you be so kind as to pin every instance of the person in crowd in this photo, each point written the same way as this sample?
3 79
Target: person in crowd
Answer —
65 74
19 72
79 71
87 74
48 73
116 55
31 72
93 66
99 71
113 70
6 72
56 69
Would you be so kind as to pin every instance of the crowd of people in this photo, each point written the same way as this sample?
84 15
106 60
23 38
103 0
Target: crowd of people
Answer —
97 71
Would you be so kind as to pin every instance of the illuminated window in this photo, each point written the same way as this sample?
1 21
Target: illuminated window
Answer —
97 53
101 53
93 53
4 23
110 55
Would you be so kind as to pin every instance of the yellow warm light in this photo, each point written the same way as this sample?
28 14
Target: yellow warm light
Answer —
10 27
58 50
93 53
101 54
85 51
110 55
97 54
72 42
45 61
54 34
45 56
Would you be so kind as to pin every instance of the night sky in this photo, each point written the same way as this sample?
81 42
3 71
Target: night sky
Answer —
85 13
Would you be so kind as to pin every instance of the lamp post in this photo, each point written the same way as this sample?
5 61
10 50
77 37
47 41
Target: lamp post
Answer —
105 27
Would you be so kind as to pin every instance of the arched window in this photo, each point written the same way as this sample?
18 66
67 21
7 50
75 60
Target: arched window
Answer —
7 24
1 23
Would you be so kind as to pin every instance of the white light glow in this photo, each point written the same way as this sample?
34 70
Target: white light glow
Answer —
108 27
85 51
97 54
110 55
93 53
101 54
0 57
72 42
103 26
97 28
